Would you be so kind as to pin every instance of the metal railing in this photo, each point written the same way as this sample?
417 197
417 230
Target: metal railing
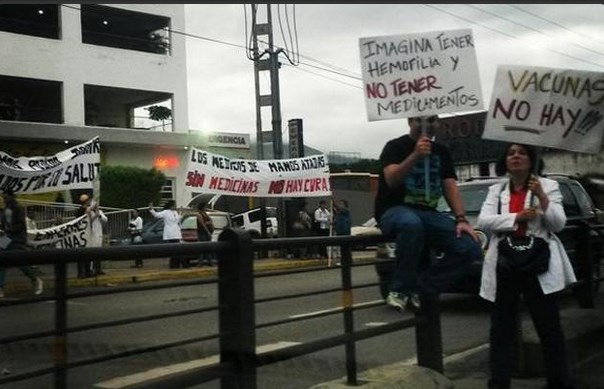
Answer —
236 307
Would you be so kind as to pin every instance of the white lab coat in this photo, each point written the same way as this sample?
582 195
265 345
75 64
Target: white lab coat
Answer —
171 223
560 272
97 219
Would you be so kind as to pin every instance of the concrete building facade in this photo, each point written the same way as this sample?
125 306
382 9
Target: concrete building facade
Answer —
76 71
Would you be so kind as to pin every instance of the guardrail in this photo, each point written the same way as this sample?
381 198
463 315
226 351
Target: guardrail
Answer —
236 306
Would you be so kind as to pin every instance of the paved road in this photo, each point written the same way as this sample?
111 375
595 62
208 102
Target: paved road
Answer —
466 368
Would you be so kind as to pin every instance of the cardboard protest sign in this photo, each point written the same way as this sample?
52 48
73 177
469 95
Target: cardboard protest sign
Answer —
420 74
73 234
74 168
557 108
296 177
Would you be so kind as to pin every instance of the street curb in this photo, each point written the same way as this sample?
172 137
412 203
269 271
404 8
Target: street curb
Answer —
131 276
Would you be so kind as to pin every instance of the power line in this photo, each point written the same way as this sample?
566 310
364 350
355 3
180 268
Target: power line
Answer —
247 48
326 77
530 28
508 35
556 24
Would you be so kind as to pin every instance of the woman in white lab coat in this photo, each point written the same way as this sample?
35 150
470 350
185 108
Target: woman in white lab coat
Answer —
508 210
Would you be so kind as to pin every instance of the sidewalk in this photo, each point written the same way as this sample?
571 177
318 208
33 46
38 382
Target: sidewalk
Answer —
154 269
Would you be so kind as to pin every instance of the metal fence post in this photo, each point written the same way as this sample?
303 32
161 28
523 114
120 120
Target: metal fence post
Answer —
347 304
60 351
237 320
428 335
586 258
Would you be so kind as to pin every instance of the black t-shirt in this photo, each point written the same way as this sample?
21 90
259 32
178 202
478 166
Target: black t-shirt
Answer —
413 190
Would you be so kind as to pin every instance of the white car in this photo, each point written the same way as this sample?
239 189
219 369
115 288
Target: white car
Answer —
368 228
250 221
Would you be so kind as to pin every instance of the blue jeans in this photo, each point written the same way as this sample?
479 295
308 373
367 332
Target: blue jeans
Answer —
413 229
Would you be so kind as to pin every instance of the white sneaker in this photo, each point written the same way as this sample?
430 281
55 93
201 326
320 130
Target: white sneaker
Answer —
402 302
397 301
1 293
38 286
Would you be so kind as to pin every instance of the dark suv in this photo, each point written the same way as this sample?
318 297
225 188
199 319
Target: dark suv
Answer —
578 206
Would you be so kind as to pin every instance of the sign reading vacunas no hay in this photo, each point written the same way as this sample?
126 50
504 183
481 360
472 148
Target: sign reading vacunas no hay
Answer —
548 107
420 74
74 168
296 177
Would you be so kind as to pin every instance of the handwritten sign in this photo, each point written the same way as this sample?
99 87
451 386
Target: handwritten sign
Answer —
558 108
74 168
73 234
296 177
420 74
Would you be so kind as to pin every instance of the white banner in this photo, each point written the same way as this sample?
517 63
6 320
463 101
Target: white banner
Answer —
296 177
74 168
549 107
73 234
420 74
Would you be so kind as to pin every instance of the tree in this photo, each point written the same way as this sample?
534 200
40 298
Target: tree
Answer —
130 187
159 112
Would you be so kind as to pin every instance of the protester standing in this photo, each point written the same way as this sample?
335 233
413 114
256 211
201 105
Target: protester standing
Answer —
342 222
509 210
85 269
96 219
323 220
171 233
135 227
205 228
301 226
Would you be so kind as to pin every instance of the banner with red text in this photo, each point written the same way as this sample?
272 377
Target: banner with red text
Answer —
296 177
557 108
420 74
74 168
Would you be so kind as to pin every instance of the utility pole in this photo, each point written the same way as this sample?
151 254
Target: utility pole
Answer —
273 100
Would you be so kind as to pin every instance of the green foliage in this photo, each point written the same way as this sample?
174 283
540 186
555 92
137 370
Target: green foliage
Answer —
360 166
130 187
159 112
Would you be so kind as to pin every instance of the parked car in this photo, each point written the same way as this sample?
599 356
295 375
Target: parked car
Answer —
153 230
250 221
368 228
578 206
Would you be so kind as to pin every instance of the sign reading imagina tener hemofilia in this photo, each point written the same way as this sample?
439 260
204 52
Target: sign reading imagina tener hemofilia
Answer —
420 74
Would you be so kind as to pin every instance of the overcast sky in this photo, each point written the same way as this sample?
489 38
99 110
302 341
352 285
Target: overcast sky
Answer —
332 106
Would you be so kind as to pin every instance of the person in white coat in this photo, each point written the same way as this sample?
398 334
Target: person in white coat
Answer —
507 209
171 233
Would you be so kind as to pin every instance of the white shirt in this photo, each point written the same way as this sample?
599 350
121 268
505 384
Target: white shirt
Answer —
322 216
136 224
171 223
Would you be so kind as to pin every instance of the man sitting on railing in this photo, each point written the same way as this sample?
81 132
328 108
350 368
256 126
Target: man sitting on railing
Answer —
405 208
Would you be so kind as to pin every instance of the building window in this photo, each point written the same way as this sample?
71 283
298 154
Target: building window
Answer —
120 107
30 100
167 191
123 29
40 20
